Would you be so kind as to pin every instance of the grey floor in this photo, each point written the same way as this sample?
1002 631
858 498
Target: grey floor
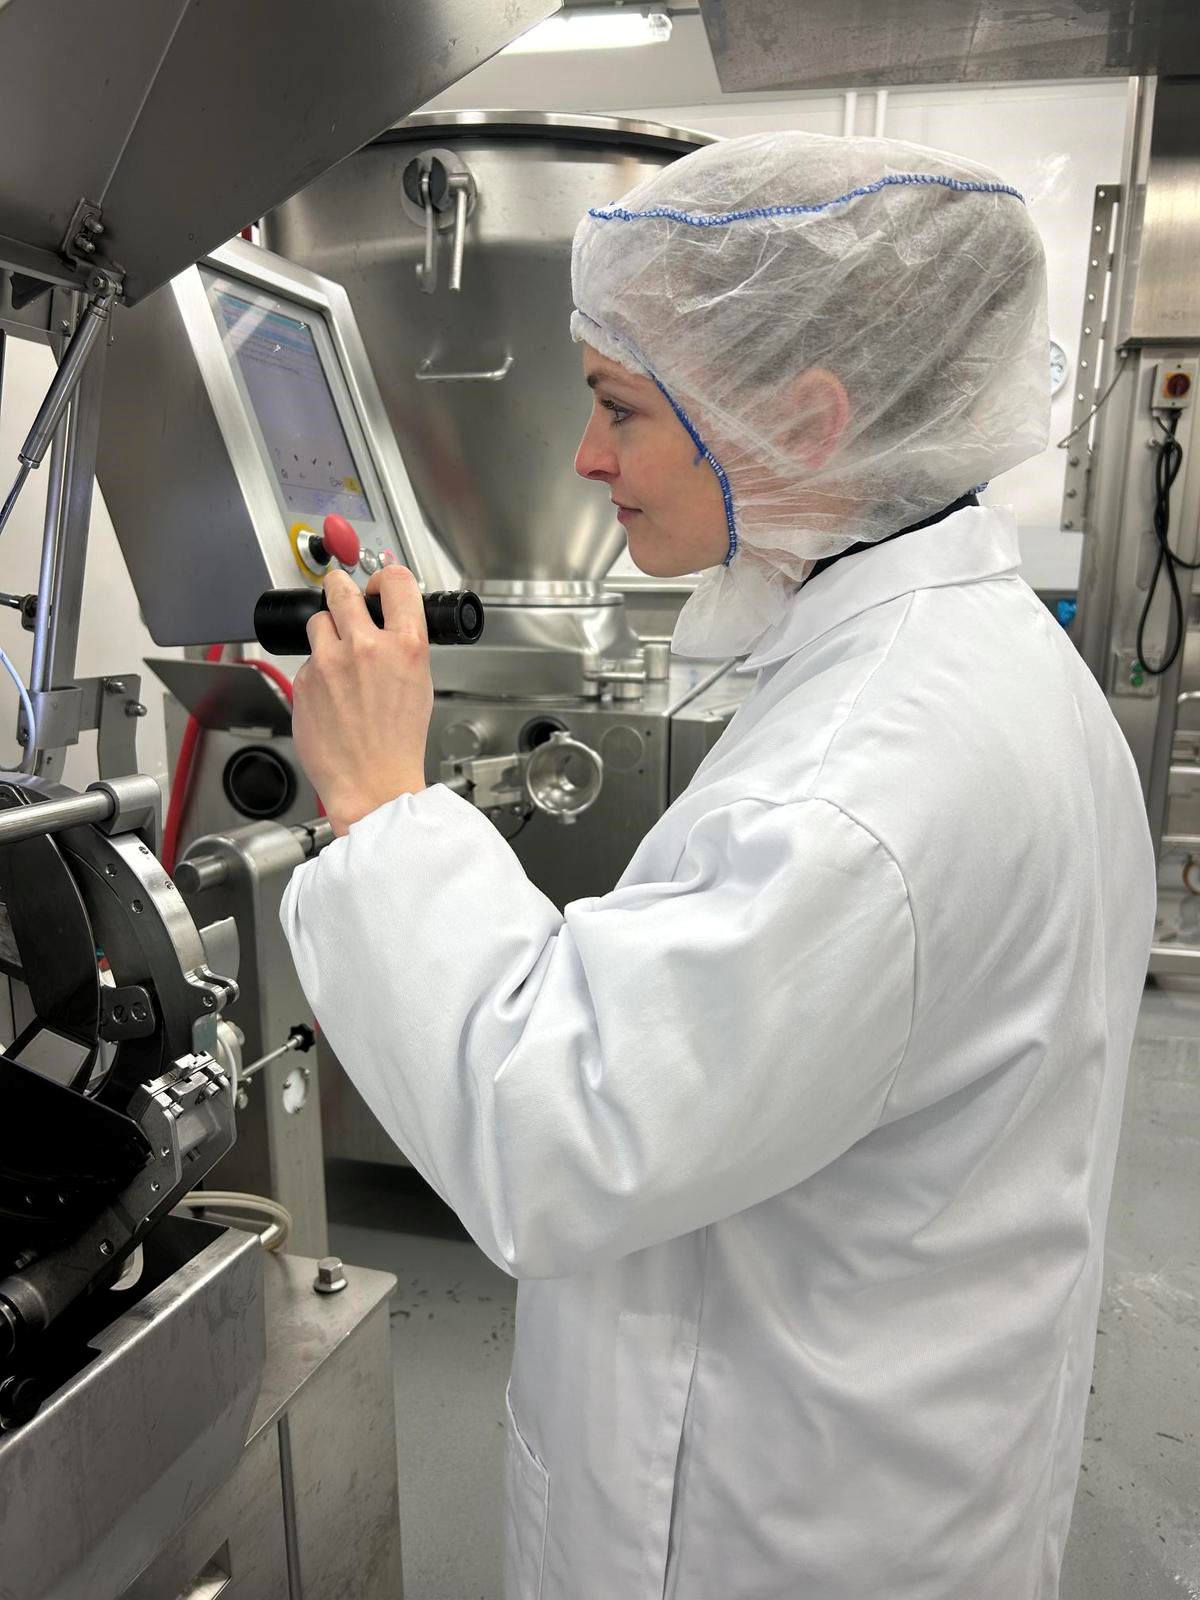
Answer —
1136 1531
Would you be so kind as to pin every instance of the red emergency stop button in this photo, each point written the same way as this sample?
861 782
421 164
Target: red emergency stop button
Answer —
340 540
1177 385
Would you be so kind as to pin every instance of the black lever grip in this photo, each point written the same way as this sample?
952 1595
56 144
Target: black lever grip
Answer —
281 617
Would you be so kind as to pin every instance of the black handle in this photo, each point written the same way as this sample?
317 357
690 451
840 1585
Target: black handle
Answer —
281 617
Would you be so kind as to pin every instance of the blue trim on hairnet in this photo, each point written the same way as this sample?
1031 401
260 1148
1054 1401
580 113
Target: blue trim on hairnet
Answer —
703 453
720 219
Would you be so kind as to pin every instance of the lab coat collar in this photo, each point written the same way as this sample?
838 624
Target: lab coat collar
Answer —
976 543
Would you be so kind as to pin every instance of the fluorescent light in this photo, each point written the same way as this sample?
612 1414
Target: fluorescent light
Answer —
593 30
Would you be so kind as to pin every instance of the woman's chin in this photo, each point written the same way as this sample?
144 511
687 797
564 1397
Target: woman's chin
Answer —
656 563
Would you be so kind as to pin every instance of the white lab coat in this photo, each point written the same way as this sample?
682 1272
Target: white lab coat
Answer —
802 1137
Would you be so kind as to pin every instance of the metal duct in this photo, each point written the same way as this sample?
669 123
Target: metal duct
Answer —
184 120
809 44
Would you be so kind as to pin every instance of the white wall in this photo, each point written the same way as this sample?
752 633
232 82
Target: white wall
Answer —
112 637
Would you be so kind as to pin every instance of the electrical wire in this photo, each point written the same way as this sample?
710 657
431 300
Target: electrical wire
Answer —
235 1201
1166 469
1122 364
26 706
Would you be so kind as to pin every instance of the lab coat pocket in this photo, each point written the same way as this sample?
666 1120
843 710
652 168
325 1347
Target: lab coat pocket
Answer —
527 1486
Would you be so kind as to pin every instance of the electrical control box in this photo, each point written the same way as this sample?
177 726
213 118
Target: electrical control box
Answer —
1174 385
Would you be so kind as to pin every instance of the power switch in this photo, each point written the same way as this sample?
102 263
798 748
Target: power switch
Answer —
1174 385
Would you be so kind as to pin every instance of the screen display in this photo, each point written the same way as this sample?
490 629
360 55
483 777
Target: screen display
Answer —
281 368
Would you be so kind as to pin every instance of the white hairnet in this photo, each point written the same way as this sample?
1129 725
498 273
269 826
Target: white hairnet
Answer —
915 278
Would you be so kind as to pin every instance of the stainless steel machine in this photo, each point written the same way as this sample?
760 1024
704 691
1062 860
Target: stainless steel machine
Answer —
179 1415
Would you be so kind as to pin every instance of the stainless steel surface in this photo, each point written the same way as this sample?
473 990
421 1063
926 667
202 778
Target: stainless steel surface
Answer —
491 457
206 480
129 1448
777 44
1167 301
225 694
535 649
279 1151
183 123
329 1373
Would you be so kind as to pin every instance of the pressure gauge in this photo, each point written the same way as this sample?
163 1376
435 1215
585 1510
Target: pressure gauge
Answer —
1058 366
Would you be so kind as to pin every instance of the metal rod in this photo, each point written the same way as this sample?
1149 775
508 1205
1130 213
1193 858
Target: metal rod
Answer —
14 494
66 379
255 1067
201 872
52 816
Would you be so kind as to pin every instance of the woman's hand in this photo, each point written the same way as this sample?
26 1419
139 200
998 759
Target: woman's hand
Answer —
363 700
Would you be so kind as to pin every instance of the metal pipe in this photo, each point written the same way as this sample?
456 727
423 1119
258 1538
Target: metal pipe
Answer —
881 104
849 113
461 197
52 816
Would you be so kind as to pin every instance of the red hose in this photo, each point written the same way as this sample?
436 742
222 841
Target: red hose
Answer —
183 778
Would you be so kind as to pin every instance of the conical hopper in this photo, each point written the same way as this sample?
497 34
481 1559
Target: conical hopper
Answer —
482 386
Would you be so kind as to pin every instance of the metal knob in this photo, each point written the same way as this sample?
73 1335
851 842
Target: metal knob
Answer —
330 1278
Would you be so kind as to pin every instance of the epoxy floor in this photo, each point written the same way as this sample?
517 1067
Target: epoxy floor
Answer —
1136 1529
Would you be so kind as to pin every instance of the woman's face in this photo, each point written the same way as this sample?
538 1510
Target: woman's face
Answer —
669 503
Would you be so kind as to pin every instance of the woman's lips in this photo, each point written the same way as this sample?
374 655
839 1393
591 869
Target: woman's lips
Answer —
625 514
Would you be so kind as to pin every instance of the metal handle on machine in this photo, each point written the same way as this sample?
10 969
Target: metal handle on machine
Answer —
426 374
52 816
461 186
427 271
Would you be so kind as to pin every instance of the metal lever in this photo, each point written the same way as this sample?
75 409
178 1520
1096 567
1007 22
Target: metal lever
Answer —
461 186
427 272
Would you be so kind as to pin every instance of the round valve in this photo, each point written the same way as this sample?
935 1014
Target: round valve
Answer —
564 777
340 540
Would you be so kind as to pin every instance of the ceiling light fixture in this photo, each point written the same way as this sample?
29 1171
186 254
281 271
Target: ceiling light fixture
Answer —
599 29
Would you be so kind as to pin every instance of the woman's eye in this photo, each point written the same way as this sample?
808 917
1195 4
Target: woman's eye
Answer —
619 413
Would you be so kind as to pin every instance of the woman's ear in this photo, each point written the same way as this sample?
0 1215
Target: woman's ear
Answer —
818 411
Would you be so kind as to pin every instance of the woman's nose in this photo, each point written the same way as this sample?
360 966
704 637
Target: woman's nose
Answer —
595 457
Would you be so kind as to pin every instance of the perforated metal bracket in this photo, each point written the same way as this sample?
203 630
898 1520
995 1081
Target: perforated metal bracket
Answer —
1090 360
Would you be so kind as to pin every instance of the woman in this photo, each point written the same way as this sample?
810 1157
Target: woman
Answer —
802 1138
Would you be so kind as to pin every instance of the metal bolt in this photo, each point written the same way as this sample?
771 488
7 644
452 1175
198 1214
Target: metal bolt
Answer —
1068 525
1074 461
1072 493
139 1012
84 245
1097 229
330 1278
118 1013
110 870
155 1187
1101 194
106 1247
207 1001
164 1151
114 685
135 708
93 224
135 906
243 1099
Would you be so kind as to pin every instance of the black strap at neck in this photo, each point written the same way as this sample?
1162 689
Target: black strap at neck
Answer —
971 499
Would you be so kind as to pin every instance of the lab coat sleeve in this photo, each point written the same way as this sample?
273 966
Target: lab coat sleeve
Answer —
581 1087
